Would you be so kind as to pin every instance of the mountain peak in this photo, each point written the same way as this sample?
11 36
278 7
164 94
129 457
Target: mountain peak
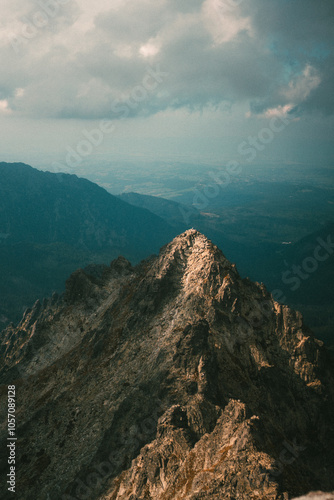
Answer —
189 238
193 249
195 264
194 242
171 379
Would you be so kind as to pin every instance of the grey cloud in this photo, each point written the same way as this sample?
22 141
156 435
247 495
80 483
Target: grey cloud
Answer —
82 78
185 6
136 22
300 33
322 99
300 21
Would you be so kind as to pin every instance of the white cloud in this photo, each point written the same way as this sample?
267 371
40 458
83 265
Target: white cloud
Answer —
4 107
301 86
294 93
19 92
151 48
224 20
279 111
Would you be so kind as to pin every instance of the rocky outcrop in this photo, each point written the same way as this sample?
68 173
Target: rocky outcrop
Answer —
173 379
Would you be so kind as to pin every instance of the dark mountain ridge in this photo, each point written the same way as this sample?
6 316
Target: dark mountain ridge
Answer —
51 224
35 207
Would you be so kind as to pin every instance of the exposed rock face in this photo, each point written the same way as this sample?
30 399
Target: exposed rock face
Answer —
171 380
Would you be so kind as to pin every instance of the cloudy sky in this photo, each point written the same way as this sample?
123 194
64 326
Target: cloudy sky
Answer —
166 76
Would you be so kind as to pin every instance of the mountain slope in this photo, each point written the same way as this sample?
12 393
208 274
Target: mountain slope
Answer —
174 213
303 274
275 264
51 224
174 379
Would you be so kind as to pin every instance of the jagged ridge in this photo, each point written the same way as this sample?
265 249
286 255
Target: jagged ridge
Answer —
173 379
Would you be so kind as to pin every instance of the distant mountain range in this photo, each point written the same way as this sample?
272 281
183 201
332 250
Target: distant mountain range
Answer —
52 224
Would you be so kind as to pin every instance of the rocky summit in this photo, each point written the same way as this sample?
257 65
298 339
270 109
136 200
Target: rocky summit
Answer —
174 379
